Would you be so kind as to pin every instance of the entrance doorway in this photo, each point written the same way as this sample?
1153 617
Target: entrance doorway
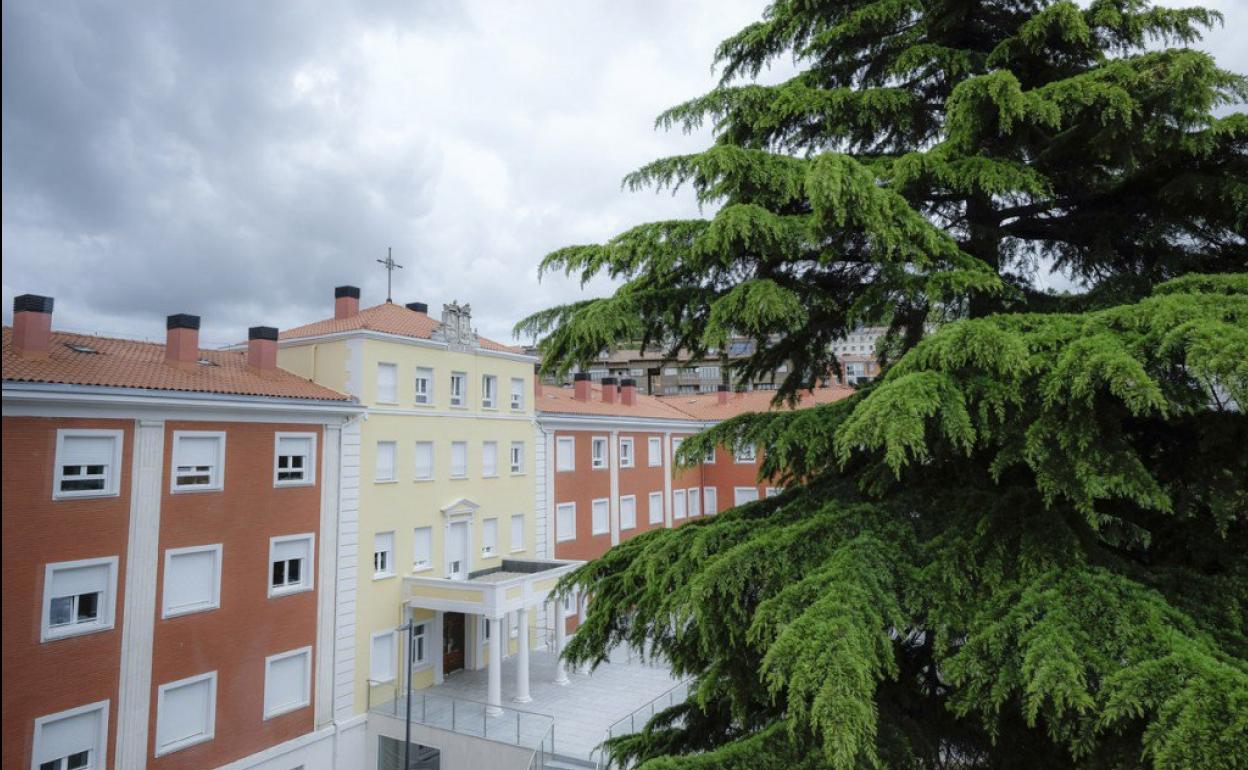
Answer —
452 642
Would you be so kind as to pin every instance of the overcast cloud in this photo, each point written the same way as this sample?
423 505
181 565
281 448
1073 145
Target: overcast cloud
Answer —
240 159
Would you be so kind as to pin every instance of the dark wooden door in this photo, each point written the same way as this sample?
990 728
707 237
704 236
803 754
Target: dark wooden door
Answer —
452 642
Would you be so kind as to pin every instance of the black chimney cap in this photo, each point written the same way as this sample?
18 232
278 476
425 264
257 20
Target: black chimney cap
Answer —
182 321
262 333
628 382
32 303
347 291
419 307
580 376
609 381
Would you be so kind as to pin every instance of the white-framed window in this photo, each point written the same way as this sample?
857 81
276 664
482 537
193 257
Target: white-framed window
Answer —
772 491
709 457
381 652
489 391
626 452
192 580
489 537
569 606
287 682
422 550
745 454
424 385
290 564
598 452
654 451
383 554
743 495
656 508
517 532
459 388
710 500
601 519
74 739
489 458
387 452
517 457
88 463
79 597
387 384
695 502
565 521
628 512
186 712
420 645
459 459
517 394
565 453
198 461
294 463
424 460
678 504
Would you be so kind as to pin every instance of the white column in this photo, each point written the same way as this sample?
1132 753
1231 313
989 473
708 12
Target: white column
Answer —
613 506
435 648
494 696
667 480
522 657
561 632
327 575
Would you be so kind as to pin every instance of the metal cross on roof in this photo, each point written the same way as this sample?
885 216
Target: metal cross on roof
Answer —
391 266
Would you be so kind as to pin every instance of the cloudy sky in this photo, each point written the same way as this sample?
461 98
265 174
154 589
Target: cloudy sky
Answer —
240 159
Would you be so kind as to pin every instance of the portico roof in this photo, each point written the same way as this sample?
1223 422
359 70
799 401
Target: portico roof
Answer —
514 584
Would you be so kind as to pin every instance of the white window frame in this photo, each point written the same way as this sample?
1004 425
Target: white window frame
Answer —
394 465
216 481
433 463
486 472
489 391
709 457
650 510
112 474
99 750
382 365
423 374
595 461
214 603
488 550
560 535
195 740
632 499
710 501
693 502
517 394
106 613
309 470
593 521
680 512
654 451
426 564
388 572
305 652
372 651
745 455
516 461
421 661
514 530
736 494
627 459
307 571
460 399
464 472
569 441
772 491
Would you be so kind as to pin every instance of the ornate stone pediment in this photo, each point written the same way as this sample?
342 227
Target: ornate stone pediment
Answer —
456 329
463 507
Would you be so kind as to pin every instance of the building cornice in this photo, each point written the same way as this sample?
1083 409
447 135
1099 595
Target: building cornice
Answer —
402 339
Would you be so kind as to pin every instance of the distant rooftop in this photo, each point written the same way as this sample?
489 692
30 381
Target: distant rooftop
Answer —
387 318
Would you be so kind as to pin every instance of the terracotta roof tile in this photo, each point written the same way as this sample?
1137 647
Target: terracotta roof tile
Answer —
387 318
556 400
132 364
693 406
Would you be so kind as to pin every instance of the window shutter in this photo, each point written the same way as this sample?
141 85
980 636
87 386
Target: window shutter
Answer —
197 450
80 580
87 450
290 549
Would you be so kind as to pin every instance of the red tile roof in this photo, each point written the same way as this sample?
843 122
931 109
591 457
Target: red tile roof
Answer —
387 318
556 400
693 406
122 363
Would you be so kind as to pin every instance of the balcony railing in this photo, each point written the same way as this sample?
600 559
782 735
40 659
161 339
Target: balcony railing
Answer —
638 718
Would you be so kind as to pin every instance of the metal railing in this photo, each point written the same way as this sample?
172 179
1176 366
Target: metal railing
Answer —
676 694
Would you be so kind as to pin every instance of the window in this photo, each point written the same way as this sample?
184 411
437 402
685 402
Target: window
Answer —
296 459
669 371
565 521
192 580
386 451
745 454
628 512
422 552
517 532
517 393
626 453
383 554
387 384
489 537
598 452
381 656
709 457
678 504
565 453
419 650
459 388
424 385
676 442
772 491
695 502
186 712
656 507
88 463
287 682
709 501
424 460
517 457
290 564
198 460
459 459
743 495
654 451
489 458
76 739
601 516
489 391
79 597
